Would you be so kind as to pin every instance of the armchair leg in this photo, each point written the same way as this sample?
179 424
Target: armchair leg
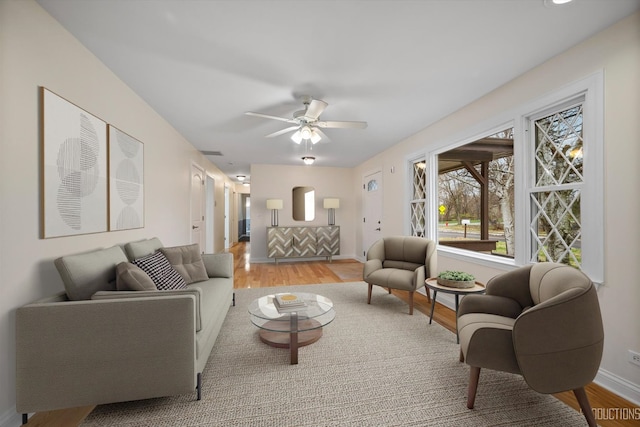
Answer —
585 406
411 303
474 376
369 297
199 386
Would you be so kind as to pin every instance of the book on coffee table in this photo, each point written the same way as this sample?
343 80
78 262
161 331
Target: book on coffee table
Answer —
288 302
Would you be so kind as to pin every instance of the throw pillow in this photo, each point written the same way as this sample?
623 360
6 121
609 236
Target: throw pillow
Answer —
159 269
187 260
130 277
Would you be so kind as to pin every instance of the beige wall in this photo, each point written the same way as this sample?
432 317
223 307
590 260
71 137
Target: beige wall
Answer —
277 181
36 51
617 52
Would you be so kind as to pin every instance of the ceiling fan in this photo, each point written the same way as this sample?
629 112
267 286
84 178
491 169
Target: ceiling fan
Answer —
307 122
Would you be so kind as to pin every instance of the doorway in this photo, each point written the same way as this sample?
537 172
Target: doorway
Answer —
197 205
210 206
372 209
244 218
227 204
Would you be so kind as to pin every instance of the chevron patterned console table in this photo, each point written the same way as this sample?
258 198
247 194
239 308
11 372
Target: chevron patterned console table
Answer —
300 242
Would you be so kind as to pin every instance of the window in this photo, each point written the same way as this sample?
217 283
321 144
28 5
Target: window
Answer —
476 195
418 198
543 201
555 193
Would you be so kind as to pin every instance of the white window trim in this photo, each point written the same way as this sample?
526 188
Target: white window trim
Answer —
591 89
592 210
408 191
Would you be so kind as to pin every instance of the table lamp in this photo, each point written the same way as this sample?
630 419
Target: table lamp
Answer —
332 204
275 205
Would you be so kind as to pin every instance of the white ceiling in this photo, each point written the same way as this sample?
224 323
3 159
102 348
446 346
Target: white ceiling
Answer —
399 65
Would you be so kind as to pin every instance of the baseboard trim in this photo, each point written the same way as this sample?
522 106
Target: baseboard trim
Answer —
11 419
618 385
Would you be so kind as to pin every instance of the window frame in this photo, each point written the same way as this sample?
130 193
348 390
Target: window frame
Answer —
411 191
591 90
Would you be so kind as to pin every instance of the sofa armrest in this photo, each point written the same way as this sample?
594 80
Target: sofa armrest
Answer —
219 265
569 357
419 277
376 251
92 352
431 259
512 284
195 291
370 266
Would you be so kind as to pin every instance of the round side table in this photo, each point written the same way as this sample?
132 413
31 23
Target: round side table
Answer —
432 283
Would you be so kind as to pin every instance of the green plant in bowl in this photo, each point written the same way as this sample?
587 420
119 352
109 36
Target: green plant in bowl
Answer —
456 279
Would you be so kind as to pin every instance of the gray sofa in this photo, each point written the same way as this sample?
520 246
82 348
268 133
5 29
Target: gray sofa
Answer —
94 344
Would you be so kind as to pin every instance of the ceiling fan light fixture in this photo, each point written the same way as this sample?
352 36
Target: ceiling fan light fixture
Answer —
296 137
315 137
555 3
308 160
305 132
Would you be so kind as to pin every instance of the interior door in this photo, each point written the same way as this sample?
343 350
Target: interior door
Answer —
227 213
372 209
197 205
209 215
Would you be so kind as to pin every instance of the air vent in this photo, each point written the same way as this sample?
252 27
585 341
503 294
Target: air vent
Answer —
212 153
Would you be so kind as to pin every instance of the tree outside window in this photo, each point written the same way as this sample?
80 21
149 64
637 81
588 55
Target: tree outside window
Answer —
556 193
476 195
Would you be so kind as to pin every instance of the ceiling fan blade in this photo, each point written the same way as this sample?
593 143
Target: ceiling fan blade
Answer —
343 125
314 109
267 116
282 132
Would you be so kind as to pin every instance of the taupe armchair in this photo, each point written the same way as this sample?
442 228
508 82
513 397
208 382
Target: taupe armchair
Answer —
541 321
400 262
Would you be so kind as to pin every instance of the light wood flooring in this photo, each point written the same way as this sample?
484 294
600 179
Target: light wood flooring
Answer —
247 275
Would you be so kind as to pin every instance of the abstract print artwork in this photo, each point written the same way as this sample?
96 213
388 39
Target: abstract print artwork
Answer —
126 181
74 169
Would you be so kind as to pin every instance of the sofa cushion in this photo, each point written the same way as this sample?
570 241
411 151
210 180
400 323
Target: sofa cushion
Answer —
396 278
164 276
140 248
187 261
130 277
87 273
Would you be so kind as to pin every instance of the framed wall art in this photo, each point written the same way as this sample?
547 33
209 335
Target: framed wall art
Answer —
126 181
74 169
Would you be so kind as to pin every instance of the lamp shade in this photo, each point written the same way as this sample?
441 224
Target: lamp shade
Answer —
274 203
331 203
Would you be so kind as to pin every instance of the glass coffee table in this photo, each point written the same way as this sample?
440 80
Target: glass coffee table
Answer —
291 328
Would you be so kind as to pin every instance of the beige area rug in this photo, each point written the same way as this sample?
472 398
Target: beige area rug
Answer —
374 366
351 271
